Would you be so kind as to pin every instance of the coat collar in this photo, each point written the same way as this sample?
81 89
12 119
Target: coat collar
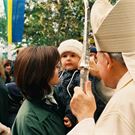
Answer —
124 81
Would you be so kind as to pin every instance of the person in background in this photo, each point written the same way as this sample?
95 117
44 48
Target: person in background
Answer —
15 100
36 71
7 67
93 51
113 28
3 96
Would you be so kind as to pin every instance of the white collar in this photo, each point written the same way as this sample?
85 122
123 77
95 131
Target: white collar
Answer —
126 78
49 99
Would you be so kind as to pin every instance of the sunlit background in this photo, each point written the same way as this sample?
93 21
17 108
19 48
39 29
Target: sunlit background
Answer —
1 8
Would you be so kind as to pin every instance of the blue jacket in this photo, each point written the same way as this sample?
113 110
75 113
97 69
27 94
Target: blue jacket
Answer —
65 89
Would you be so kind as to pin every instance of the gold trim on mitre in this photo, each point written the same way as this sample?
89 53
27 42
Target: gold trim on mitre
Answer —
114 26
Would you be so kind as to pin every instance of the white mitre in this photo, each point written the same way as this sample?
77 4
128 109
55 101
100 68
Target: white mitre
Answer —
114 29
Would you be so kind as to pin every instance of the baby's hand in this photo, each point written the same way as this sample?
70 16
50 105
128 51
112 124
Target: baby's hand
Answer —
67 122
4 130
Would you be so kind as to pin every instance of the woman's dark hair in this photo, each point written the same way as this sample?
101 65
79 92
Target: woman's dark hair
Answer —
34 67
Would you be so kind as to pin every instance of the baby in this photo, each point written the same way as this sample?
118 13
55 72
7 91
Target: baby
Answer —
70 52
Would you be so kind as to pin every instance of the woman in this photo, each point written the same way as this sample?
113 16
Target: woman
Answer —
8 68
36 70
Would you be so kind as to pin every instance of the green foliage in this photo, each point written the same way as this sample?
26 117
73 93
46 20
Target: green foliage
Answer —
113 1
49 23
3 28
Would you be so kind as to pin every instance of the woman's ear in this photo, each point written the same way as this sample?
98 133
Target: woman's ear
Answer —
108 60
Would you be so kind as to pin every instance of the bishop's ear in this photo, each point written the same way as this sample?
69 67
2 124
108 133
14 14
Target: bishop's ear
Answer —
109 60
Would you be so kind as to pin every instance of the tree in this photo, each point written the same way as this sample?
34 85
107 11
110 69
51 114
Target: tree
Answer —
51 22
3 29
113 1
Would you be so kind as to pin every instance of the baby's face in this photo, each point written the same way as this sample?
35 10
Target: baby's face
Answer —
69 60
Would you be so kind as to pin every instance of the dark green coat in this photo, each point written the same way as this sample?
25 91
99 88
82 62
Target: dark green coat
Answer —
3 102
34 119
